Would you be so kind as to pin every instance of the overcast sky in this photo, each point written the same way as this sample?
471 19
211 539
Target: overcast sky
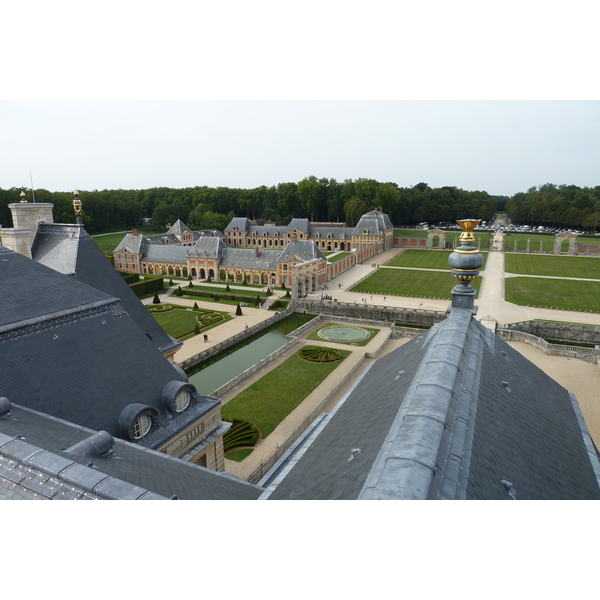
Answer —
243 94
502 147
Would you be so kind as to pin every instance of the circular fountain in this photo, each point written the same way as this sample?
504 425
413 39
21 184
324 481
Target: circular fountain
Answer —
343 333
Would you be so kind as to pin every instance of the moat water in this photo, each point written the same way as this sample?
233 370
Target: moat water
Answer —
211 374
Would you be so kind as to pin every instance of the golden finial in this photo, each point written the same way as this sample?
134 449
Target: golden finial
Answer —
23 197
77 204
468 226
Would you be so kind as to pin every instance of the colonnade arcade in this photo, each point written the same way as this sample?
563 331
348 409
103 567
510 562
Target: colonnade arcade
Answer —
164 269
253 276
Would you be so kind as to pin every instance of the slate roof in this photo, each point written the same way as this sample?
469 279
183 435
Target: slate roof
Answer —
130 472
245 258
242 224
374 222
86 359
69 249
208 247
178 228
166 254
305 250
454 414
134 243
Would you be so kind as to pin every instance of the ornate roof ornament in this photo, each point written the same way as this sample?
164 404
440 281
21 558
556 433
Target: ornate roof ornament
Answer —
465 262
77 208
23 197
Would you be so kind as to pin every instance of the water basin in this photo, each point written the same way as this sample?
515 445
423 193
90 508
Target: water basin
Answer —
211 374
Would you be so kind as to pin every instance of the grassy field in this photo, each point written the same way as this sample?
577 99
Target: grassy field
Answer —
339 256
416 284
422 259
181 321
521 239
416 233
585 267
107 242
270 399
559 293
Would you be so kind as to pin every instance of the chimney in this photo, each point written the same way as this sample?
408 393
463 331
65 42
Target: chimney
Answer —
134 231
256 252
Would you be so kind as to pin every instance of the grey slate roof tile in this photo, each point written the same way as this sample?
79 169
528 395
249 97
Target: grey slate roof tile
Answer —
147 469
450 427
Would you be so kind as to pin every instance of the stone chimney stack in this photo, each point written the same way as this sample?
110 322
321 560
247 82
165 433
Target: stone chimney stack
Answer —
465 262
134 232
256 252
26 216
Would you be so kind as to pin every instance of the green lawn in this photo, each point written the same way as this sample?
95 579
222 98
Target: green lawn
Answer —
180 322
339 256
108 242
415 233
558 293
424 259
272 398
419 284
534 246
586 267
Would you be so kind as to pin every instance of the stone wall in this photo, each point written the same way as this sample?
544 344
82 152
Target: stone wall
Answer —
591 355
238 337
370 312
565 332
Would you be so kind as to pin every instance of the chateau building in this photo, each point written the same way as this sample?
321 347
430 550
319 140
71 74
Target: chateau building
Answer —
373 228
260 254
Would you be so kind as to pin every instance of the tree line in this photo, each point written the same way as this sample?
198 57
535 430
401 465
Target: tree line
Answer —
557 206
318 199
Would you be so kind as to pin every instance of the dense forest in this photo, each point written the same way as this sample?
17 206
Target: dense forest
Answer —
317 199
557 206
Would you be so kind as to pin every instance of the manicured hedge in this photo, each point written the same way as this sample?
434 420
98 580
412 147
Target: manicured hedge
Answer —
243 433
318 354
148 286
247 298
129 277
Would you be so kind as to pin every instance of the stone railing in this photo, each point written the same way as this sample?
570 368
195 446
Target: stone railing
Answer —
553 330
234 339
411 332
371 312
591 355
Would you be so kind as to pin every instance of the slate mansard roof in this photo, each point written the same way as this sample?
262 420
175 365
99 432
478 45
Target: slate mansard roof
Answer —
453 414
38 459
69 249
374 223
72 351
302 225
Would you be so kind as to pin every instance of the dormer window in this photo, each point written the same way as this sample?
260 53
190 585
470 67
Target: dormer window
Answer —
329 236
142 425
254 233
182 400
317 235
365 231
342 236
